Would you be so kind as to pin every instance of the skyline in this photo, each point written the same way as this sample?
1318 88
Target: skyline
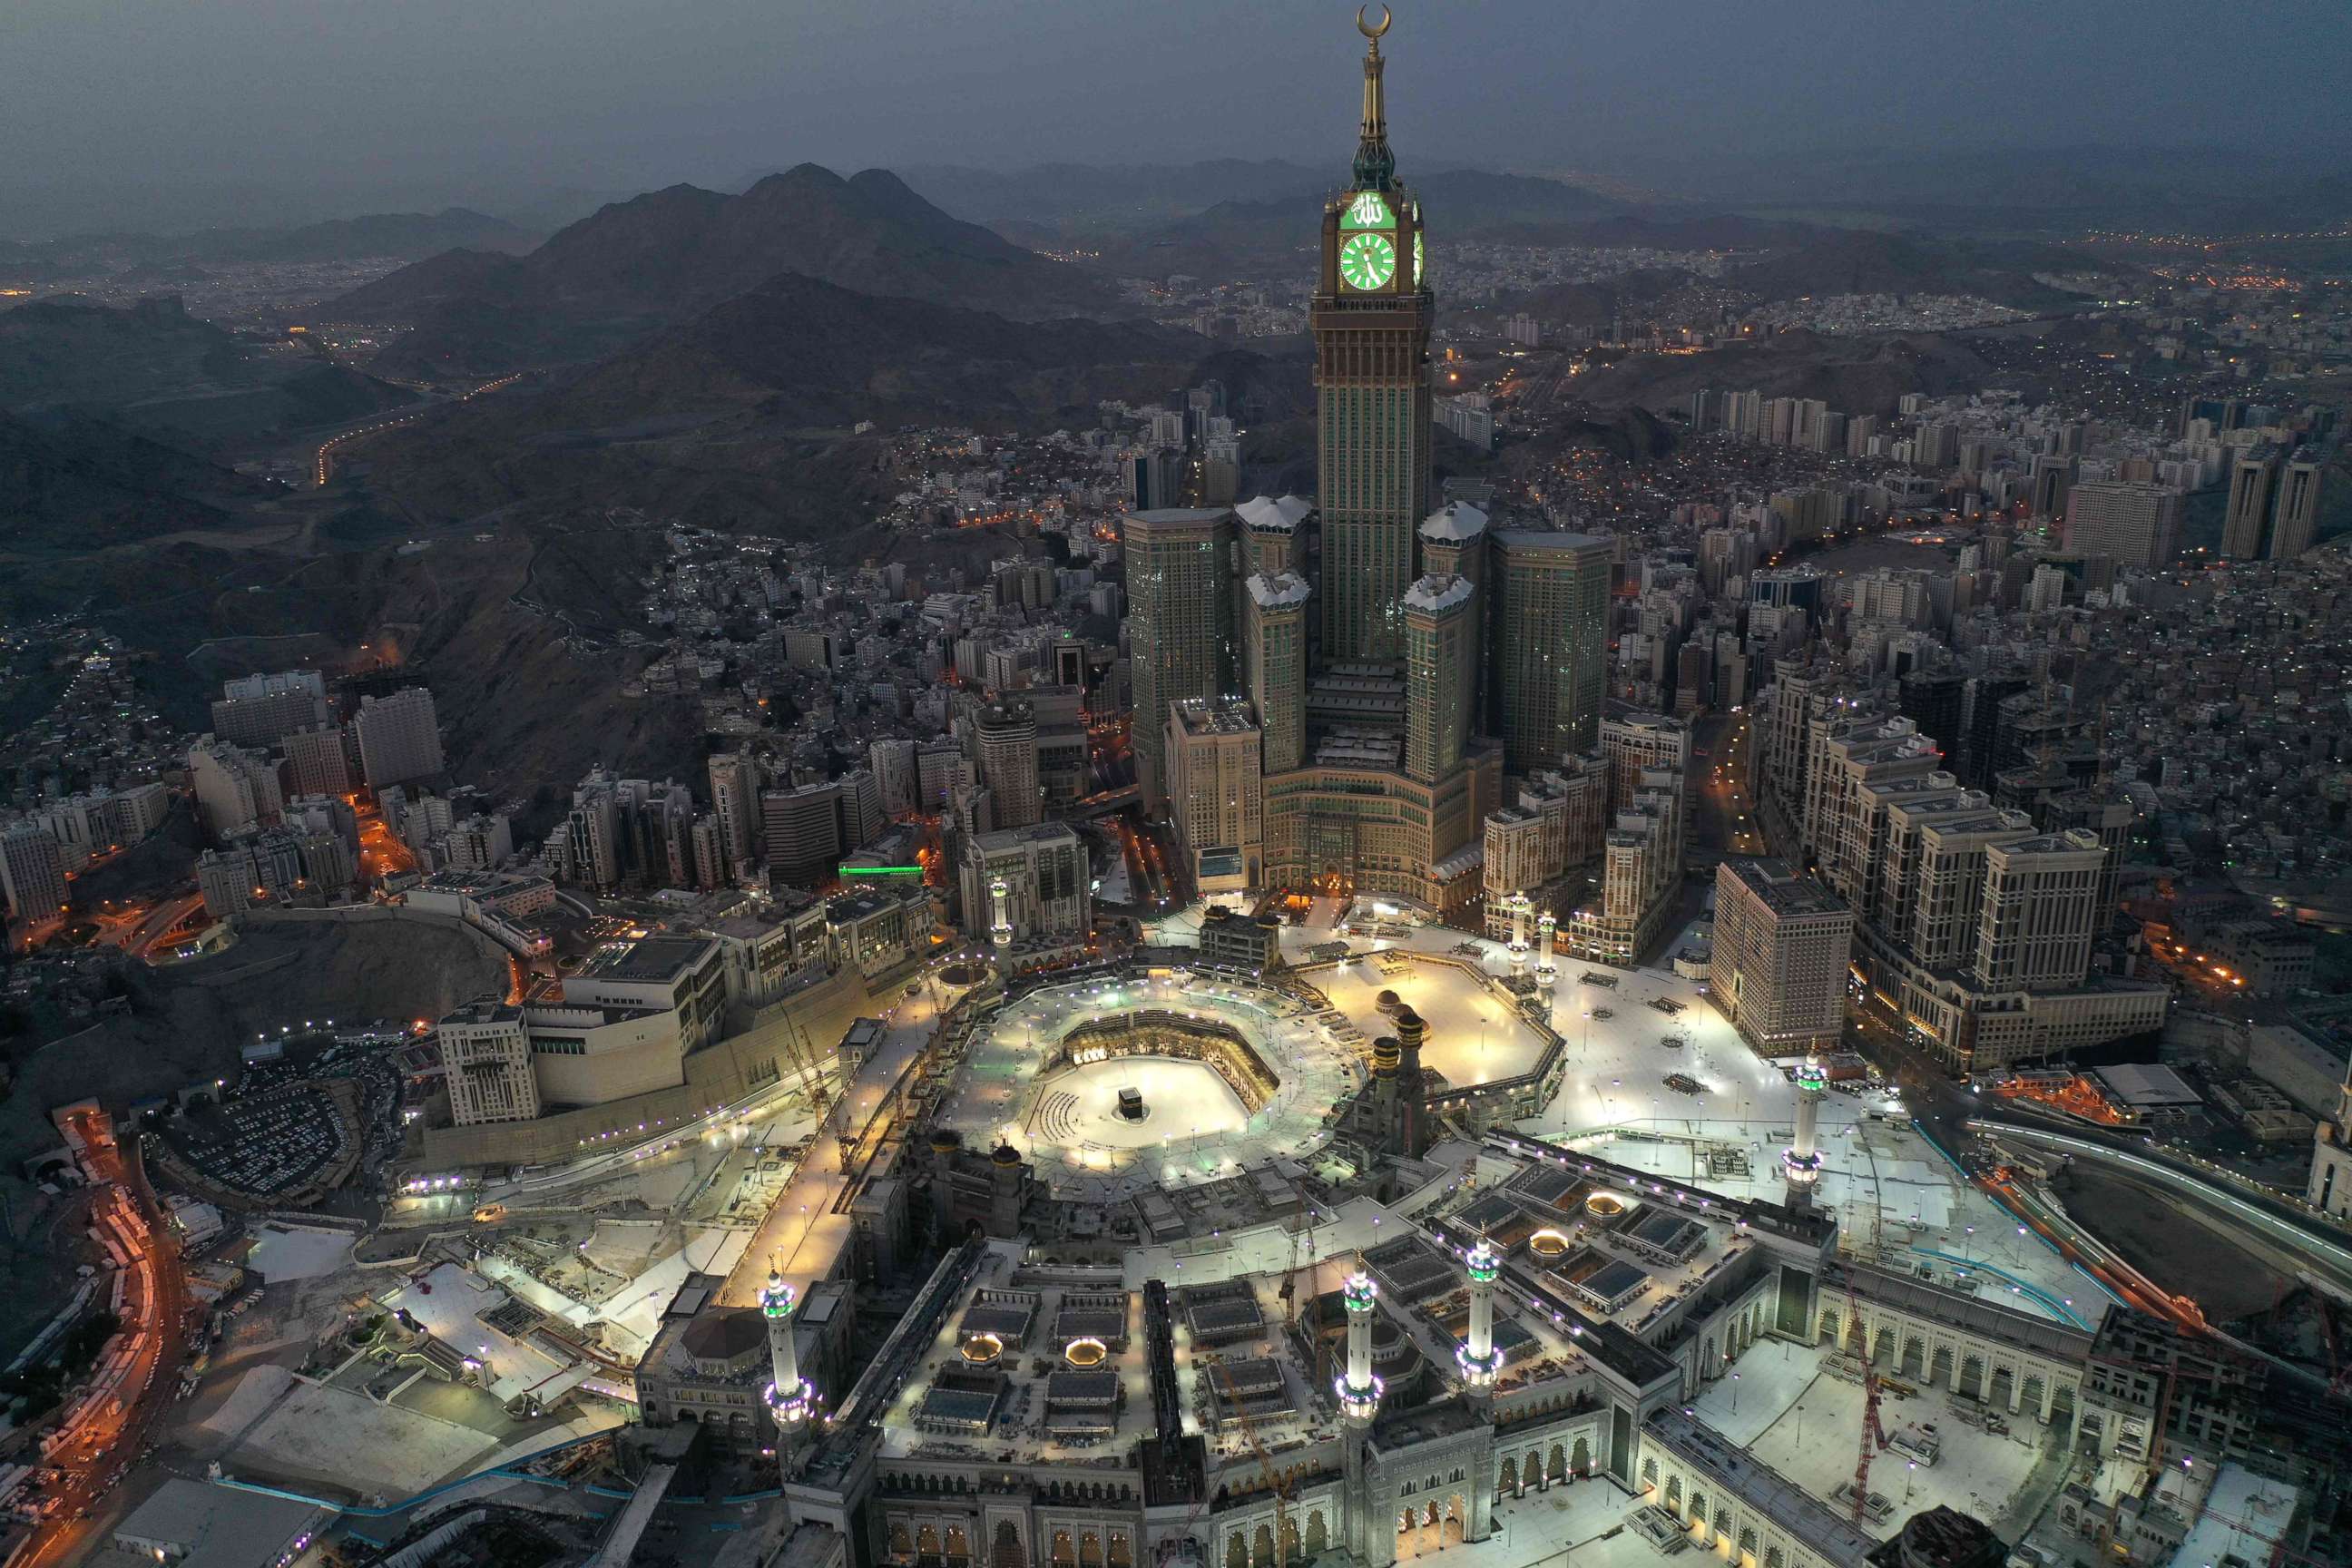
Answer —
1186 866
318 117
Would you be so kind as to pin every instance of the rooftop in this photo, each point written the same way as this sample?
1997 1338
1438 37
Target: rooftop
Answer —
206 1526
652 959
1261 515
1456 522
1223 716
1277 592
1549 538
1434 594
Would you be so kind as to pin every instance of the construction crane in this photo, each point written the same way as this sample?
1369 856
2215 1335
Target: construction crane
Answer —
1278 1482
1873 1441
1291 1283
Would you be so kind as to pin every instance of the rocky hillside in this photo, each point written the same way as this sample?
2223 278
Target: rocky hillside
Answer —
1854 375
668 254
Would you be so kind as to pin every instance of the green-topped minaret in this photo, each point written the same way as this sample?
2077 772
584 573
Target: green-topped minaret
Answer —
1372 321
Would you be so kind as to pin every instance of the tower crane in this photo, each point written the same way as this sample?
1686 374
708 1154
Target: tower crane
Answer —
1873 1441
1277 1482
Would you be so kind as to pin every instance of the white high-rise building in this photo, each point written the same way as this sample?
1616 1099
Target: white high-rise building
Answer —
1005 739
2134 524
486 1057
1215 794
261 709
234 788
735 798
400 738
1778 968
32 873
1047 876
2039 911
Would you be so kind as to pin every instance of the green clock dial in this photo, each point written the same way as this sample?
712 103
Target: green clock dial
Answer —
1368 261
1420 269
1366 210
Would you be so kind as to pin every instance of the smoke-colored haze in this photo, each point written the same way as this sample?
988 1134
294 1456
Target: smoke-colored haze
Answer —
317 106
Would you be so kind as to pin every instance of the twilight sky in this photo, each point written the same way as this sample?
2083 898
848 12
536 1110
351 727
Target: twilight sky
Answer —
334 106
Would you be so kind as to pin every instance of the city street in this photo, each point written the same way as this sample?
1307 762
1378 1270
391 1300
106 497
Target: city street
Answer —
98 1449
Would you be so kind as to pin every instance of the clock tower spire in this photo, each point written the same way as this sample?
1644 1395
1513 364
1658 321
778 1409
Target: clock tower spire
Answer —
1371 320
1375 165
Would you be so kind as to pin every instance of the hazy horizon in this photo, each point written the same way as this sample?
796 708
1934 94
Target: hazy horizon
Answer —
278 110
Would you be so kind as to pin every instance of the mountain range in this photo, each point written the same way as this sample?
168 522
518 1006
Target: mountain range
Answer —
665 256
154 369
404 235
740 417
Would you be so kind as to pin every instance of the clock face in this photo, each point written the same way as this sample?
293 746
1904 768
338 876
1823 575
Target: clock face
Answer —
1420 271
1366 211
1368 261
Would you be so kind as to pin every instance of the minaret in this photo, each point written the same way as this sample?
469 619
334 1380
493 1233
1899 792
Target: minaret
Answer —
789 1398
1411 1031
999 926
1359 1401
1475 1355
1802 1164
1547 961
1520 907
1359 1390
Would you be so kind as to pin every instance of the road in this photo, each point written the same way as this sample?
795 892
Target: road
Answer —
322 464
1723 818
138 932
1946 1110
105 1444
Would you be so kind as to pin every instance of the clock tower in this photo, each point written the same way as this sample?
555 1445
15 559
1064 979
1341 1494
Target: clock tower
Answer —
1372 321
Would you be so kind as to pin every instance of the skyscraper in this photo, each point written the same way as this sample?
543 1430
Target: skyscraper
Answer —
1274 665
1441 646
1550 638
1178 632
1215 794
1007 744
734 791
2041 904
1371 318
2136 525
1453 544
2052 476
259 709
400 739
1778 969
234 788
2253 491
2295 520
32 873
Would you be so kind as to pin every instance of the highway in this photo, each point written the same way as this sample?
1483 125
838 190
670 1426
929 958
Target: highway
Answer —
106 1442
323 463
2267 1227
1953 1115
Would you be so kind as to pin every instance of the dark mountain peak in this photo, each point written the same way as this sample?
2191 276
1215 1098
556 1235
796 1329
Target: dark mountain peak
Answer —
663 256
800 177
885 185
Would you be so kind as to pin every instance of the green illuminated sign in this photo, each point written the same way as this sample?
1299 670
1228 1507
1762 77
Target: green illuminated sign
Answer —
1366 211
881 871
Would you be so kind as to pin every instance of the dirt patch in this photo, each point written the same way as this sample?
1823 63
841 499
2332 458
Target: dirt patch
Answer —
2170 1245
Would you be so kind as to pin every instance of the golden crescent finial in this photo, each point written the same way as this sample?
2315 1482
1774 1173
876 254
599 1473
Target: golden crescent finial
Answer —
1368 29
